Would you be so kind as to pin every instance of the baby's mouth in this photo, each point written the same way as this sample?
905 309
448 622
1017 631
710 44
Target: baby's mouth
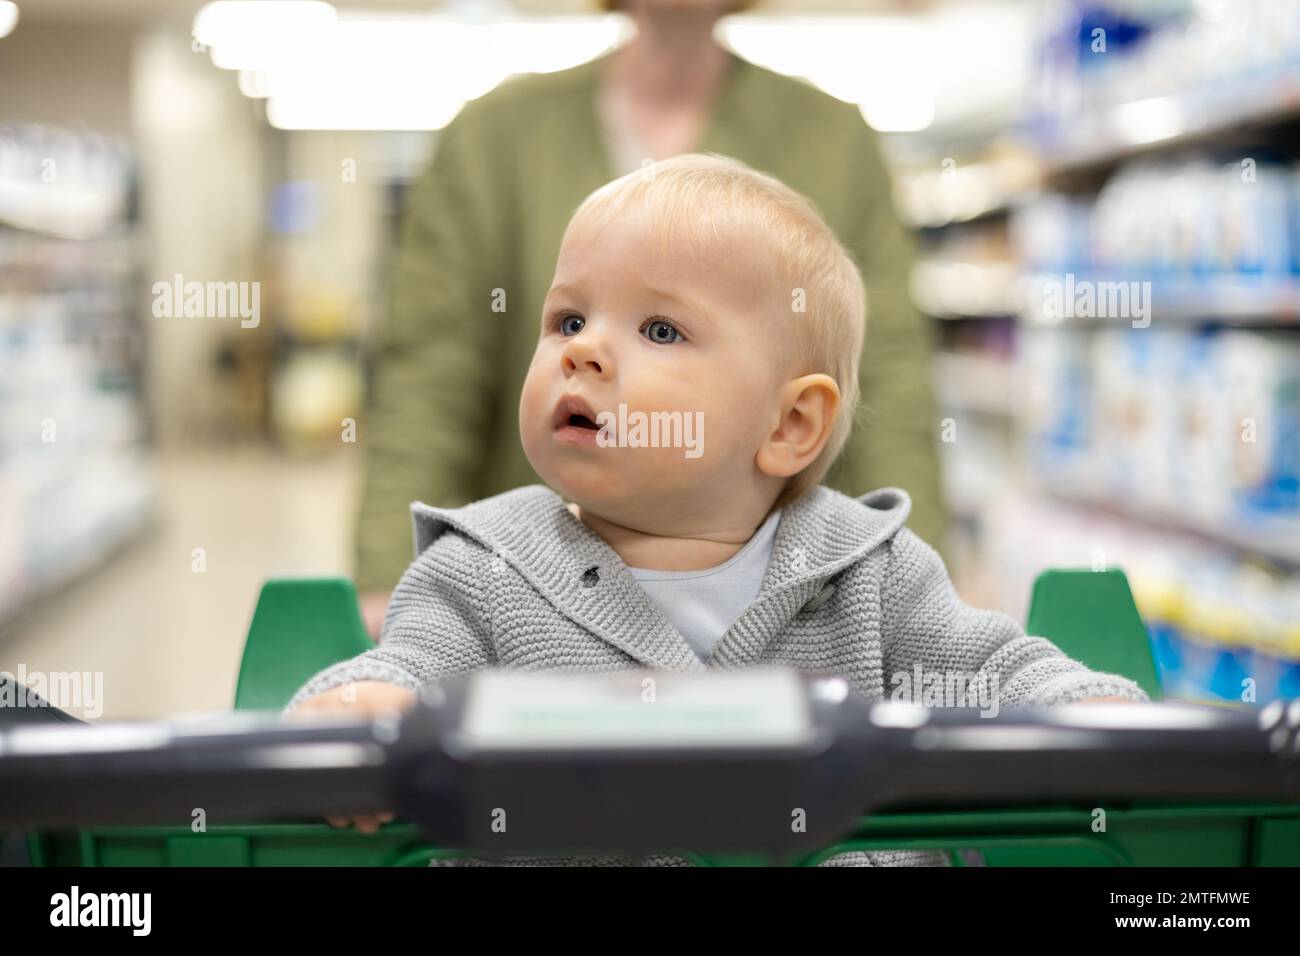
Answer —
574 412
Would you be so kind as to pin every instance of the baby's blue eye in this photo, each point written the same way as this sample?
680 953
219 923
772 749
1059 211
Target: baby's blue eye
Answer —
572 324
661 333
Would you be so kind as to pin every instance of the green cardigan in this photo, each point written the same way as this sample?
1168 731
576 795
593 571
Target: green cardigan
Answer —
483 227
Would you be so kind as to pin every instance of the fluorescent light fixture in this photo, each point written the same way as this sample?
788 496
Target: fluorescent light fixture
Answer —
326 69
250 34
887 66
320 69
362 112
253 84
415 73
8 17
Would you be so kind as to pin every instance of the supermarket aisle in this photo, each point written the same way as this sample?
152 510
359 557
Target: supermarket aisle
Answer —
165 635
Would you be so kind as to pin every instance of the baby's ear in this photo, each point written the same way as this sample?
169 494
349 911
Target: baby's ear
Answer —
806 408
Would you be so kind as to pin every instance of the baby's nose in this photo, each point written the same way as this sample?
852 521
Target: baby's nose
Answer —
581 355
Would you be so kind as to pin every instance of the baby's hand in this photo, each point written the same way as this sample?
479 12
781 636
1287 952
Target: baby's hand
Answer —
360 700
373 606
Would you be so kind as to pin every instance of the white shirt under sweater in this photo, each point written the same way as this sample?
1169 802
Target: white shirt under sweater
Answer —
702 604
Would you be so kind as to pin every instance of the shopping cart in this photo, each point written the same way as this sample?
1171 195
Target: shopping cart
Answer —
1210 786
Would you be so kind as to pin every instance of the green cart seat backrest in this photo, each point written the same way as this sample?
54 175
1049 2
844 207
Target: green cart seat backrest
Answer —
300 626
1091 616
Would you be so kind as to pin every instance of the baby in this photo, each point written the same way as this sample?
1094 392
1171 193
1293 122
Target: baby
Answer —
695 376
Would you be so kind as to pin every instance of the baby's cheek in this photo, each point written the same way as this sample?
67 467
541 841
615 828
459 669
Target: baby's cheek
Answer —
530 418
530 400
734 425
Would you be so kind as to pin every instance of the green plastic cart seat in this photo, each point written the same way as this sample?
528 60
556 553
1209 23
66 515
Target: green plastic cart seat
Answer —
300 627
1092 617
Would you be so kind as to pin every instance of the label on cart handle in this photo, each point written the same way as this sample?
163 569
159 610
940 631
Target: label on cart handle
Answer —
518 710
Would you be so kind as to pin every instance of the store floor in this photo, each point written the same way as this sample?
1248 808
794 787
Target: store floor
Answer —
165 637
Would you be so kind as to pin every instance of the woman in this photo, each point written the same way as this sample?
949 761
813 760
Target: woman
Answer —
484 224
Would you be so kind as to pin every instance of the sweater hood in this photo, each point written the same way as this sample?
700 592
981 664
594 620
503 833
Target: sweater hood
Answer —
819 534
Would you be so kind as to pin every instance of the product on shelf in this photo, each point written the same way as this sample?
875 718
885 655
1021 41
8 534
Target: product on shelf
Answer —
59 182
1208 235
74 475
1118 73
1201 424
1161 436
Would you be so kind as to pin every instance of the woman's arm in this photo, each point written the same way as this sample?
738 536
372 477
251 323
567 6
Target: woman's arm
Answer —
435 371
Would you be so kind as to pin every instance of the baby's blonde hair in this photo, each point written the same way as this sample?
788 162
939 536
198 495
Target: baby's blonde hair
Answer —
711 201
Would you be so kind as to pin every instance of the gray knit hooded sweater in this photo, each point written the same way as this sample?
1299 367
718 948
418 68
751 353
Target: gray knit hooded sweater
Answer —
517 581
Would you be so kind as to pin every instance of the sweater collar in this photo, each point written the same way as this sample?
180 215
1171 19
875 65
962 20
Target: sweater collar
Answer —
820 534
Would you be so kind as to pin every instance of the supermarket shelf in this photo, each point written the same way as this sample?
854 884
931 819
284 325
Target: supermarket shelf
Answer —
1089 197
946 206
951 194
994 208
1273 539
1235 304
968 290
1230 301
973 383
89 195
1166 123
73 348
1098 143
